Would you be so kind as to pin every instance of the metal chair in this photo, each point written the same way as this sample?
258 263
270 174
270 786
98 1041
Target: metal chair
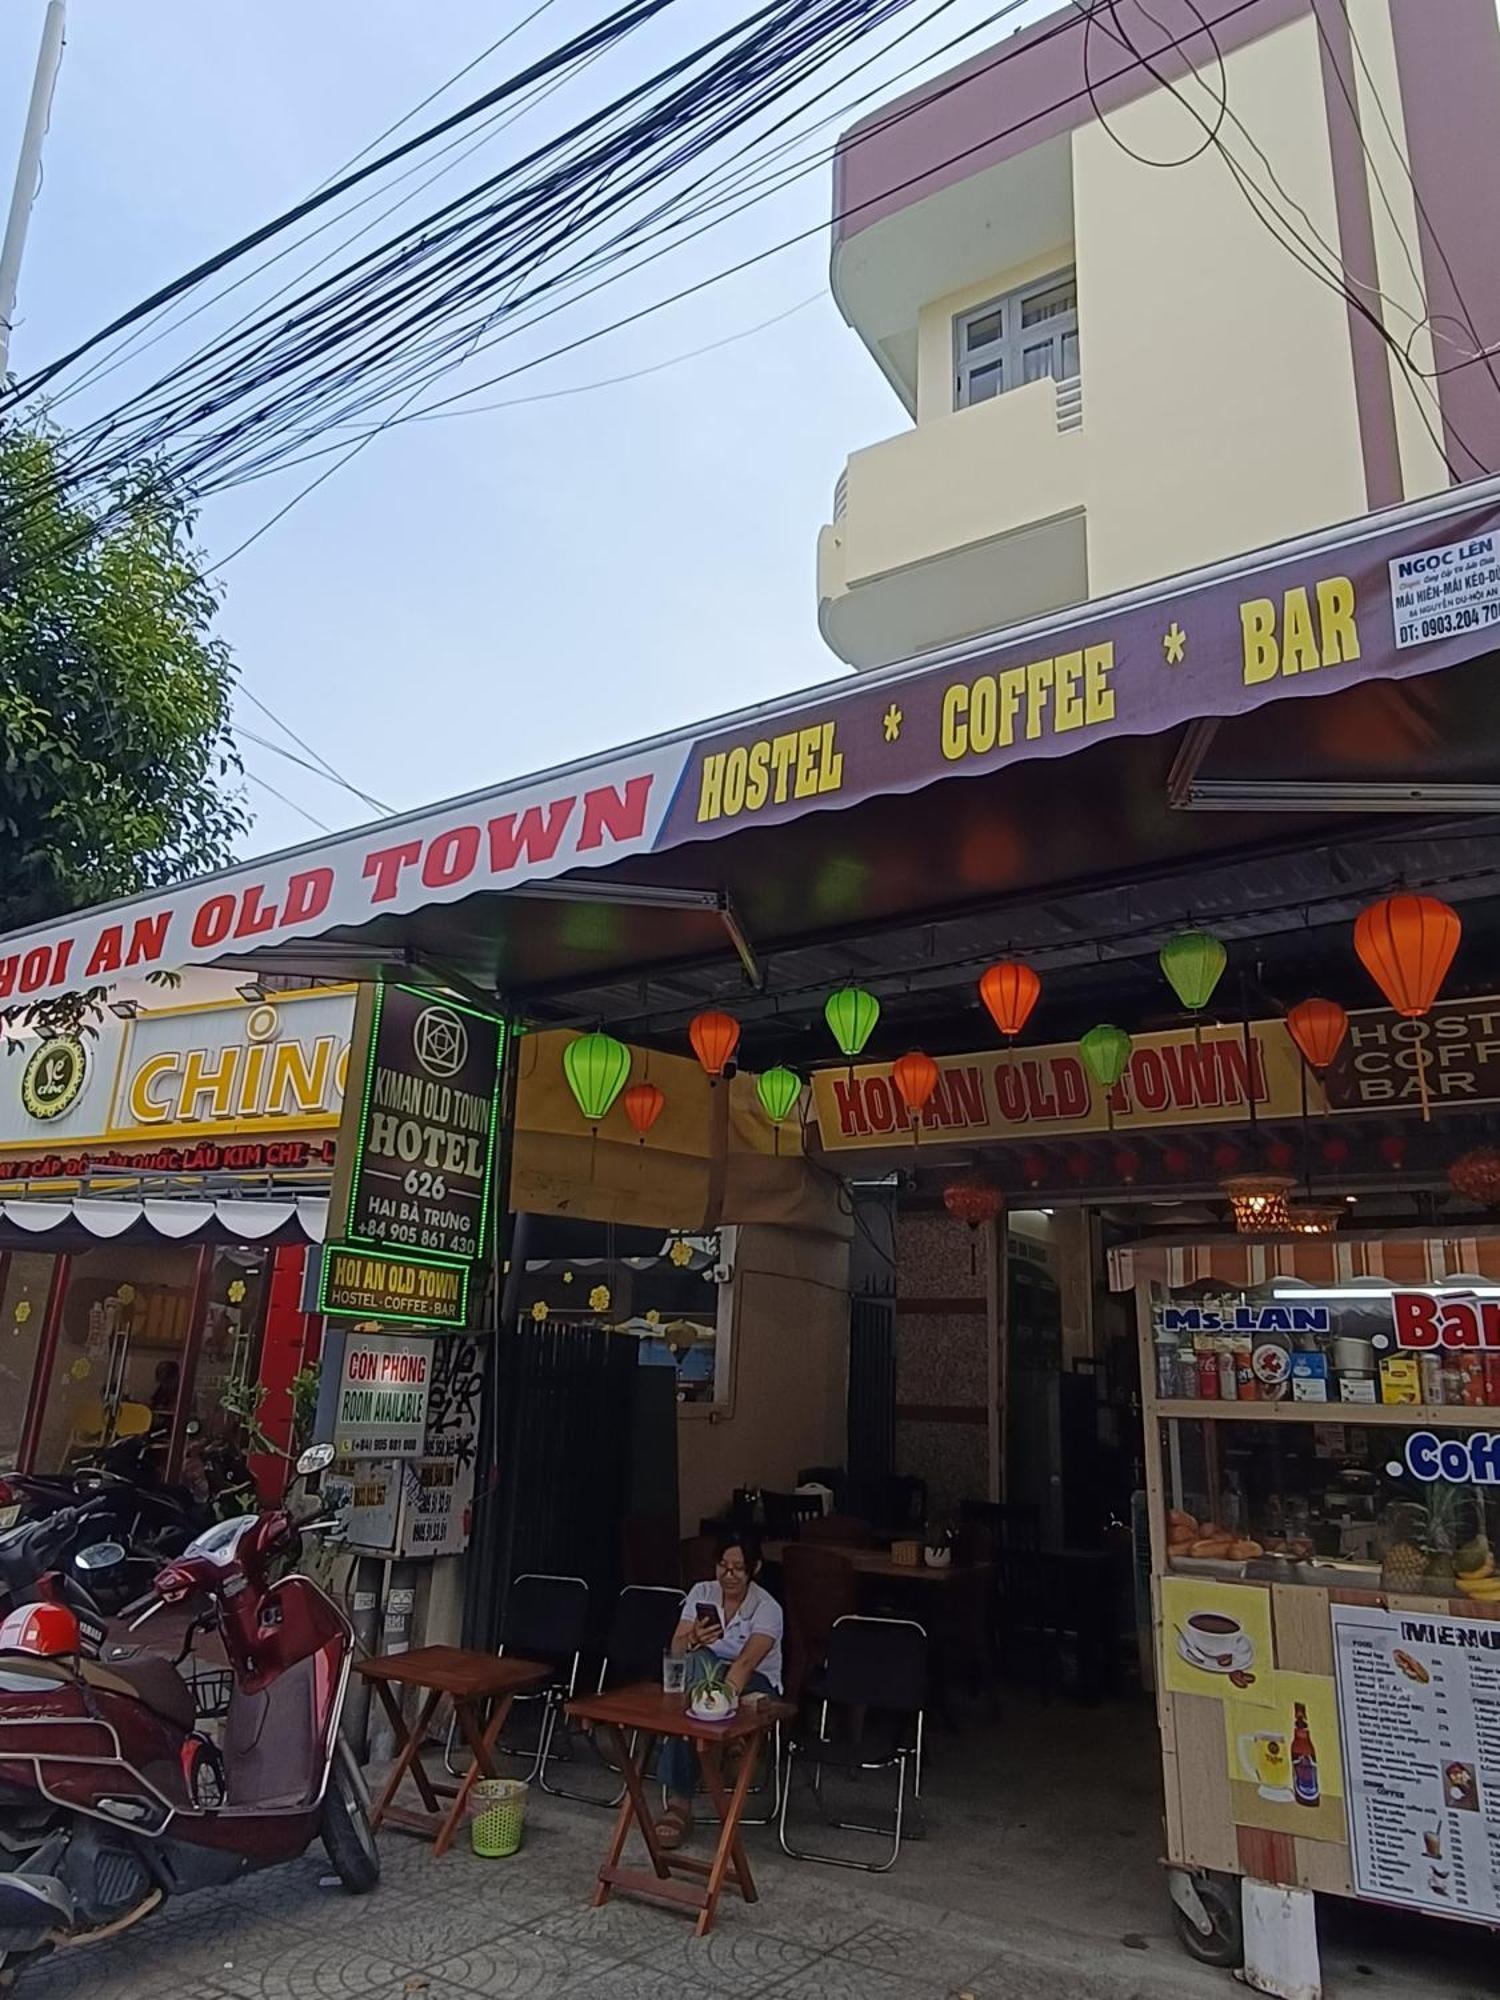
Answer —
875 1679
546 1618
645 1617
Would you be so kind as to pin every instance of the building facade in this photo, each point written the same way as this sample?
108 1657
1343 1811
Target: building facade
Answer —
1117 368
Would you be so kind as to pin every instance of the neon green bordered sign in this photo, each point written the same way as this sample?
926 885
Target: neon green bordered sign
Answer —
387 1285
417 1163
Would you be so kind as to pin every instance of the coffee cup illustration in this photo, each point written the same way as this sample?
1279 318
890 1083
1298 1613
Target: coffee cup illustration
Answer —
1215 1642
1265 1758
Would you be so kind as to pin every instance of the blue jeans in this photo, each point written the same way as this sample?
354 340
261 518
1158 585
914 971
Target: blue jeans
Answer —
676 1759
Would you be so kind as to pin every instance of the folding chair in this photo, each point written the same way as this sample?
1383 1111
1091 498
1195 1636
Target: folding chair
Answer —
645 1617
875 1679
545 1619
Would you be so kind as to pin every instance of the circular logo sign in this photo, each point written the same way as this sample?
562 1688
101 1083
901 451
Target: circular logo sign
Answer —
440 1041
53 1076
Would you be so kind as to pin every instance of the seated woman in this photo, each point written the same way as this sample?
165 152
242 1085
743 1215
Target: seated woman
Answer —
741 1626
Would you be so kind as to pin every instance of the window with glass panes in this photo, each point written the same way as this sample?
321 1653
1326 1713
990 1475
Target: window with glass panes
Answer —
1029 333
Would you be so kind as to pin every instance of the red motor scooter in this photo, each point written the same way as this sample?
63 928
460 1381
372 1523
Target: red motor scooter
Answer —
111 1796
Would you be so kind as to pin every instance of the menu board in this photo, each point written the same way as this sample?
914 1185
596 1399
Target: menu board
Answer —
1419 1705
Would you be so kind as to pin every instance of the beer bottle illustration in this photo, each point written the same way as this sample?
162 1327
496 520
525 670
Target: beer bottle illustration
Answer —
1304 1759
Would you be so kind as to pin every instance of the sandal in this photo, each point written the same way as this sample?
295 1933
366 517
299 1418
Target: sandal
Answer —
674 1826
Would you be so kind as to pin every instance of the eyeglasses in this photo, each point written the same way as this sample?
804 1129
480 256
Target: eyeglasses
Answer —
733 1569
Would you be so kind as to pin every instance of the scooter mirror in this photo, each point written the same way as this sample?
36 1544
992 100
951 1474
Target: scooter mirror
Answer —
99 1556
317 1458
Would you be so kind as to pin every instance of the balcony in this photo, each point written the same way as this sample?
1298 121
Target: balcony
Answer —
961 526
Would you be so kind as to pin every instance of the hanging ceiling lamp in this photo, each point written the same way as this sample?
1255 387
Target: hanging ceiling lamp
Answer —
1009 991
714 1037
851 1014
973 1199
1406 943
596 1067
915 1075
1318 1027
1311 1218
644 1104
1192 964
1259 1203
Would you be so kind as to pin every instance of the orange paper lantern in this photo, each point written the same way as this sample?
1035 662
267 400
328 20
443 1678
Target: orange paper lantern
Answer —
714 1037
915 1075
644 1104
1318 1027
1010 990
1406 944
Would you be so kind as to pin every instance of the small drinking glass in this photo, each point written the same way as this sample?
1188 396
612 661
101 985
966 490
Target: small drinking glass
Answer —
673 1674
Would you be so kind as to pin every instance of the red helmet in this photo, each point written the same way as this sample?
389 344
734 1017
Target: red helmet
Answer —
45 1629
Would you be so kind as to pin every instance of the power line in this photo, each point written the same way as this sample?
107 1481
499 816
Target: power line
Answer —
266 786
327 770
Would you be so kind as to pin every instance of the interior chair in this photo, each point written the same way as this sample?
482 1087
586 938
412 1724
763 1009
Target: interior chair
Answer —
640 1631
819 1587
546 1619
696 1560
870 1720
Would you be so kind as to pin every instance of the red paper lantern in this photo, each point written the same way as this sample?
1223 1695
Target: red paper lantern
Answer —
714 1037
1178 1162
1406 944
1318 1027
1477 1176
915 1075
1335 1150
1010 990
972 1199
1393 1150
1078 1164
644 1104
1226 1157
1127 1164
1280 1155
1034 1168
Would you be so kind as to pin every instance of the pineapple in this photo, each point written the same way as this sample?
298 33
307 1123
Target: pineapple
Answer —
1422 1561
1404 1567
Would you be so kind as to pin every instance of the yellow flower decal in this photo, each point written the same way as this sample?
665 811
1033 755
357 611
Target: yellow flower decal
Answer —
23 1311
81 1370
126 1295
599 1299
653 1318
539 1311
236 1291
680 1253
567 1277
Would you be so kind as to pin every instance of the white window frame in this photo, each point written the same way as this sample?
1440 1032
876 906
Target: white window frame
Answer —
1009 345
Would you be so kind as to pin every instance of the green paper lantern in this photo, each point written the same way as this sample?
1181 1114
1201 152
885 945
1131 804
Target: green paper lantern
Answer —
851 1014
1193 964
778 1090
1106 1050
596 1067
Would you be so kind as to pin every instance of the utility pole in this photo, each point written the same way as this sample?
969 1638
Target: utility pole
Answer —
29 170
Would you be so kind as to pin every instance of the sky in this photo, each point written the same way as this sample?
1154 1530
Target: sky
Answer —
472 599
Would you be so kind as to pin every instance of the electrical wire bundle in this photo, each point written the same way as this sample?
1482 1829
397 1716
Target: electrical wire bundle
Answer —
381 326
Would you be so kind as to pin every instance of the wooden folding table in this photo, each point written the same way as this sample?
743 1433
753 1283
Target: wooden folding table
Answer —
634 1719
470 1680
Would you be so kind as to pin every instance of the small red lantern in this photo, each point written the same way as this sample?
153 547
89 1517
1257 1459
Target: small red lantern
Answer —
1477 1176
1010 990
644 1104
1226 1157
714 1037
1178 1162
1335 1150
1034 1168
1393 1151
1318 1027
1280 1155
1127 1164
972 1199
1079 1164
915 1075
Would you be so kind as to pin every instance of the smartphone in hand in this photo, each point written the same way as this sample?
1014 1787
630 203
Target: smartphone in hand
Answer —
708 1614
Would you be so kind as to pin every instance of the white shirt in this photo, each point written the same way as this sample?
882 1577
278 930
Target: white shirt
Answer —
759 1613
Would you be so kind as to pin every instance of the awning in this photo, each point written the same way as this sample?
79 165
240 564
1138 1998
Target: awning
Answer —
83 1224
1054 753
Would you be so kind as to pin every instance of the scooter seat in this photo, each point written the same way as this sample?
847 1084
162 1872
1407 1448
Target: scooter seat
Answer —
148 1679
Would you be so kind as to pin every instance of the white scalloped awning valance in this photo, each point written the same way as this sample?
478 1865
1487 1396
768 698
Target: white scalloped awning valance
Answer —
225 1220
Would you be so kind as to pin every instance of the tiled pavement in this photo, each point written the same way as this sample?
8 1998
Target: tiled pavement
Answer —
1032 1884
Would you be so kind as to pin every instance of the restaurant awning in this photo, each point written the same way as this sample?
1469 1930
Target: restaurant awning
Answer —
84 1223
1208 723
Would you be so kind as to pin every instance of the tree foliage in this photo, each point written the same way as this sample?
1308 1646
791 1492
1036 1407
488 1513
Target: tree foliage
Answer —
117 769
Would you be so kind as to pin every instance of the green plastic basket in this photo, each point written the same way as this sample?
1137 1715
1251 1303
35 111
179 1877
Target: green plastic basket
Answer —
499 1809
